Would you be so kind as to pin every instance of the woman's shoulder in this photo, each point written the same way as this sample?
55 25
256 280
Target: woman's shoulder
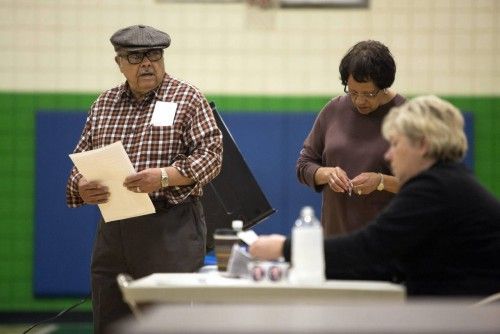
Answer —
399 99
441 177
338 101
394 100
335 105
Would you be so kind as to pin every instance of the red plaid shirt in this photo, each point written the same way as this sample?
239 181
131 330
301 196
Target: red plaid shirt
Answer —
193 144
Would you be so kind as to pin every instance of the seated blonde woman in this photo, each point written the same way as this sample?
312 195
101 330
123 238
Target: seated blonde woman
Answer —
442 228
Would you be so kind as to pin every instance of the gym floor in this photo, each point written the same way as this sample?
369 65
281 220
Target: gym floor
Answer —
51 328
77 322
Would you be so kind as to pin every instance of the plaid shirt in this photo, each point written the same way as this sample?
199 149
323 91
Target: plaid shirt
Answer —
193 145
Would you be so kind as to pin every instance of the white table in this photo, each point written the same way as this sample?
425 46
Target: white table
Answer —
211 287
443 317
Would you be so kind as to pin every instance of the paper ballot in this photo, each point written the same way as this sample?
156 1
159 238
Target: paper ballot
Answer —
248 236
110 165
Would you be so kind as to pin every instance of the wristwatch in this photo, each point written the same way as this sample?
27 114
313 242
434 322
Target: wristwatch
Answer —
380 186
164 177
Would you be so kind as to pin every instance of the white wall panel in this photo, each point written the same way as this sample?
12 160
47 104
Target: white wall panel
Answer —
440 46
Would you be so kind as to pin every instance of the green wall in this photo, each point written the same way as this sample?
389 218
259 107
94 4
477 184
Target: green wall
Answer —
17 170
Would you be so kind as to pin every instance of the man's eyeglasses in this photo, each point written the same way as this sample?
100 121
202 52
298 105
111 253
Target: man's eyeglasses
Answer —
355 95
137 57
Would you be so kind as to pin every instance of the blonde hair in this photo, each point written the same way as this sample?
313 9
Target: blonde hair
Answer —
435 120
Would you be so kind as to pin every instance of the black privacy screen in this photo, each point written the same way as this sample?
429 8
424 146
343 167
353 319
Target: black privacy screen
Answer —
234 193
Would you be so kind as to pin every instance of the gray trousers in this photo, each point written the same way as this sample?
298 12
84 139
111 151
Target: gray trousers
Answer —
171 240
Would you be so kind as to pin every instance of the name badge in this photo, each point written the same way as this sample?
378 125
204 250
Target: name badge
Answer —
164 113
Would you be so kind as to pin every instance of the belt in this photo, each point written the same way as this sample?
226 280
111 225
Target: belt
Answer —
162 202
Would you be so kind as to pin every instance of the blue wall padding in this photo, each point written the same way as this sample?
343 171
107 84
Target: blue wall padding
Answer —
270 143
63 236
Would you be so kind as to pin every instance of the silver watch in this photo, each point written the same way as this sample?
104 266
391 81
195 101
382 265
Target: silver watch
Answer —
164 177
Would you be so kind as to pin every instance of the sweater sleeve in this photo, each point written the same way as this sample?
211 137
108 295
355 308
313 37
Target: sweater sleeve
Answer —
310 158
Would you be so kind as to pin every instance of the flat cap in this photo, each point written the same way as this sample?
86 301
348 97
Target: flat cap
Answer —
139 37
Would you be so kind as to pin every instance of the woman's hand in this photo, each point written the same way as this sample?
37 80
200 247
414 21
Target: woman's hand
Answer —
268 247
336 178
365 183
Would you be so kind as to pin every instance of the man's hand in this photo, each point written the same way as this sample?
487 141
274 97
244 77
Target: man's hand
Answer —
268 247
146 181
92 192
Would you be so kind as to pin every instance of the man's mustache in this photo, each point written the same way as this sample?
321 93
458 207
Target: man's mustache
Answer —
146 72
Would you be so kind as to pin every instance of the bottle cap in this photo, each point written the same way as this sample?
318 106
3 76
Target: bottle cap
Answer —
237 224
307 211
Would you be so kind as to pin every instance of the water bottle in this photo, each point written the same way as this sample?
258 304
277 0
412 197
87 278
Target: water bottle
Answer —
237 226
308 258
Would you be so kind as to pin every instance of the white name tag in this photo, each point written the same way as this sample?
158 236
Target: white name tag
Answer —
164 113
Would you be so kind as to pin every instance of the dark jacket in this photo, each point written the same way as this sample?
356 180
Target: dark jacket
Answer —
442 229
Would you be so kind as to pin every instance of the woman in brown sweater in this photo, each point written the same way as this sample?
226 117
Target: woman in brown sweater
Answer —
343 155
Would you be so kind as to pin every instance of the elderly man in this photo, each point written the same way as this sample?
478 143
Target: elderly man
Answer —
170 134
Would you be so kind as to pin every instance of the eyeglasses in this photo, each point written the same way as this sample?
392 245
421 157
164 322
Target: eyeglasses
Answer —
137 57
355 95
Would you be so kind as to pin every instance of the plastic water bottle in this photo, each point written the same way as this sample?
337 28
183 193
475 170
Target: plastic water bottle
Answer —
237 226
308 258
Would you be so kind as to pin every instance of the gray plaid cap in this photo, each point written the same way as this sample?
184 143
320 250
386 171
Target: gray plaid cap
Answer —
139 37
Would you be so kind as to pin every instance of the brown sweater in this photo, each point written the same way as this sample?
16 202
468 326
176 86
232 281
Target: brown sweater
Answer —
343 137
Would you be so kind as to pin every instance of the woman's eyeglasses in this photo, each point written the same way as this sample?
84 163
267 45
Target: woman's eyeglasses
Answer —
355 95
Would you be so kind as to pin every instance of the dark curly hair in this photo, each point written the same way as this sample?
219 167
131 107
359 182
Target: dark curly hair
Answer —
369 61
